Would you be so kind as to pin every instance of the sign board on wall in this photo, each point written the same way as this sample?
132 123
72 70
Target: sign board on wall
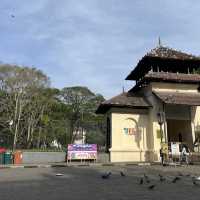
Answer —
130 131
82 151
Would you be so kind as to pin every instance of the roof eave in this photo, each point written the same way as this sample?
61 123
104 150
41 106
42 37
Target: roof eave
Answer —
172 81
133 75
174 103
104 108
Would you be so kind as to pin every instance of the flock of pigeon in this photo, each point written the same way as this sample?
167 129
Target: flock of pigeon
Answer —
107 175
146 180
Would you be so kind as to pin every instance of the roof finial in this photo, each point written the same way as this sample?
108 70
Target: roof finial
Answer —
159 42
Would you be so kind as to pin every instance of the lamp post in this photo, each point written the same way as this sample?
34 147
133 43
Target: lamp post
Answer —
160 116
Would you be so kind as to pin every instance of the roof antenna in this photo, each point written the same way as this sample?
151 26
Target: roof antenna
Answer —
123 91
159 42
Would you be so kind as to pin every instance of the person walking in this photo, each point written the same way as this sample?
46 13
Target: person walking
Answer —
185 154
162 156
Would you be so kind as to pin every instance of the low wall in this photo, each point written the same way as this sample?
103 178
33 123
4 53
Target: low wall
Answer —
43 157
103 157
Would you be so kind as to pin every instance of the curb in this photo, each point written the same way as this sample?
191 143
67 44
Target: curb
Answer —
72 165
59 165
29 166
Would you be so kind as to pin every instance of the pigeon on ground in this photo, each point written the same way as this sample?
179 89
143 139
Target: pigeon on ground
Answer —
148 181
175 179
180 174
106 176
141 181
146 178
187 175
151 187
122 173
162 179
194 183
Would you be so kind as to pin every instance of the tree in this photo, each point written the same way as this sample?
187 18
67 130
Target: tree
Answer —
19 87
58 123
38 113
32 113
82 104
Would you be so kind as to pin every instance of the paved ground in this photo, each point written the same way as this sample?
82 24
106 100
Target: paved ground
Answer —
86 183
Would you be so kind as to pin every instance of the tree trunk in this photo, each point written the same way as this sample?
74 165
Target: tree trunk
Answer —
17 126
30 138
71 131
39 136
40 128
28 131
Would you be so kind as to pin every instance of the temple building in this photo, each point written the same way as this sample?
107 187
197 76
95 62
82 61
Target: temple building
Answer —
162 107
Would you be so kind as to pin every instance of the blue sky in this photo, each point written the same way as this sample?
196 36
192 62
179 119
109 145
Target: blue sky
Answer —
94 43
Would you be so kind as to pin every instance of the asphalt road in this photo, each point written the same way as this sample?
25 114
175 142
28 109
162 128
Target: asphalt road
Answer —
86 183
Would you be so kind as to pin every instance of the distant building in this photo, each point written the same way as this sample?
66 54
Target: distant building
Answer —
163 106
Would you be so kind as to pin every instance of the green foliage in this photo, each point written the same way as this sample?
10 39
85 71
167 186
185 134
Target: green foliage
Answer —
95 137
45 119
82 104
196 71
32 114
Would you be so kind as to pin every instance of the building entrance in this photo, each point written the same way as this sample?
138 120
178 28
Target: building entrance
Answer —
180 131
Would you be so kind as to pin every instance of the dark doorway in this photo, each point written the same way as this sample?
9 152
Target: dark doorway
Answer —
180 138
108 132
180 131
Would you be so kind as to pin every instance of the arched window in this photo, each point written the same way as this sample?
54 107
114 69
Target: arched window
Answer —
130 126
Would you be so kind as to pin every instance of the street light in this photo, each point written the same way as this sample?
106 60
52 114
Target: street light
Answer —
160 116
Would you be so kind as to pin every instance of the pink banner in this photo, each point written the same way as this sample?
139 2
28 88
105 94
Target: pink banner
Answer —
82 152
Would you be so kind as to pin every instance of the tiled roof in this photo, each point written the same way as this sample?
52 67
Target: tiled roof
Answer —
173 77
167 59
192 99
166 52
123 100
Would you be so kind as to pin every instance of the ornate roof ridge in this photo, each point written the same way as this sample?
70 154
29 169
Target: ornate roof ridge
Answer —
168 52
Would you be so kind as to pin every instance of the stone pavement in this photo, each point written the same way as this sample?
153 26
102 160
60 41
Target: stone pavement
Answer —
85 182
